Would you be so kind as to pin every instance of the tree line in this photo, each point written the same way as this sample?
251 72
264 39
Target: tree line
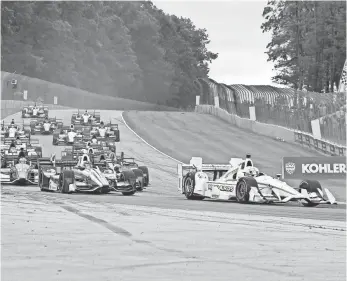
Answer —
308 45
125 49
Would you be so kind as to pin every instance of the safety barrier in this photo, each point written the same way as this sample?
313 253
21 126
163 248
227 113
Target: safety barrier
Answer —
274 131
279 106
323 146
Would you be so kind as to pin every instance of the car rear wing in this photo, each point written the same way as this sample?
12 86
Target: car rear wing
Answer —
65 163
34 142
196 164
44 161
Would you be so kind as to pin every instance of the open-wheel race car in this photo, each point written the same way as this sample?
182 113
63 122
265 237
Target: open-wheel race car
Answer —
36 111
83 175
18 170
12 146
45 127
241 181
141 172
12 130
85 118
66 136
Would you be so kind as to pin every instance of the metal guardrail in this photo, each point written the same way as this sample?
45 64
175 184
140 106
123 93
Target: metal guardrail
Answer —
323 146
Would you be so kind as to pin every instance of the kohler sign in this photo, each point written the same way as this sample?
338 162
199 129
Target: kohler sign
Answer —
314 167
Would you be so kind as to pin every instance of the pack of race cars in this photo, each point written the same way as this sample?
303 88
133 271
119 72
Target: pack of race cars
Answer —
88 163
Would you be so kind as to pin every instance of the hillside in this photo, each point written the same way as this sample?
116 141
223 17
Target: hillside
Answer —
67 96
113 48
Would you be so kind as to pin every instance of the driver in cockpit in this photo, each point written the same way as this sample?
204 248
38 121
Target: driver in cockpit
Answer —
251 172
35 110
46 125
86 116
21 154
94 139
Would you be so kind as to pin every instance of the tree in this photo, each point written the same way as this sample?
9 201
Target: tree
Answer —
308 42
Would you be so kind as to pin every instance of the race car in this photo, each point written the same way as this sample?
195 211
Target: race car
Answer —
128 164
68 176
65 136
45 127
19 171
86 118
37 111
106 132
12 145
241 181
13 130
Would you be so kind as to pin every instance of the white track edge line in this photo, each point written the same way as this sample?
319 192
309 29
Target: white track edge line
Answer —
125 123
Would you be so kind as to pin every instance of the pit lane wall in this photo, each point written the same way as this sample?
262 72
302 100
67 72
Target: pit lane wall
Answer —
27 88
274 131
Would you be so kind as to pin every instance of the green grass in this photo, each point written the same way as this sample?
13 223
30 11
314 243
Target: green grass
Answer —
68 96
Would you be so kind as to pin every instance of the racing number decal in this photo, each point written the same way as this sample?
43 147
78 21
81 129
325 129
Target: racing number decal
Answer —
221 187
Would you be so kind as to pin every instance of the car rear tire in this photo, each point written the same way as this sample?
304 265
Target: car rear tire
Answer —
310 186
188 187
145 178
131 178
67 177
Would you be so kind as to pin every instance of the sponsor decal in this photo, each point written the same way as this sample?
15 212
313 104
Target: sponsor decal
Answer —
290 167
221 187
333 167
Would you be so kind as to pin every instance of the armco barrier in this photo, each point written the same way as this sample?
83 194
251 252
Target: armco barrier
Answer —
274 131
323 146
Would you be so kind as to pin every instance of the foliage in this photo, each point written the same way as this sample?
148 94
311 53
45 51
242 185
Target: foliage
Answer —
308 44
115 48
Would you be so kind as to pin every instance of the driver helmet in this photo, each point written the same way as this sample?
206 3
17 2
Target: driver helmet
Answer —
251 172
22 160
116 168
87 165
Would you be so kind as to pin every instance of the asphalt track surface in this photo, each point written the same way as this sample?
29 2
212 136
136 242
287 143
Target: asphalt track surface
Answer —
162 192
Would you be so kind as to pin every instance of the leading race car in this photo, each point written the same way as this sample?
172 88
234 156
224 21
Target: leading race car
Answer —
242 181
19 171
68 176
37 111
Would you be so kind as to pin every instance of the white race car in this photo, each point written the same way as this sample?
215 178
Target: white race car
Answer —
242 181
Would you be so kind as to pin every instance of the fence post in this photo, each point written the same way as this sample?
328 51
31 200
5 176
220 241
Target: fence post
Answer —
316 129
252 115
216 102
197 100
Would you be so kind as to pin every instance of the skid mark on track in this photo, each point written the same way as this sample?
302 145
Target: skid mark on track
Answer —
111 227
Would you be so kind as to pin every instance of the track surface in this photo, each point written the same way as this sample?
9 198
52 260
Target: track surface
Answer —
183 135
163 192
159 235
